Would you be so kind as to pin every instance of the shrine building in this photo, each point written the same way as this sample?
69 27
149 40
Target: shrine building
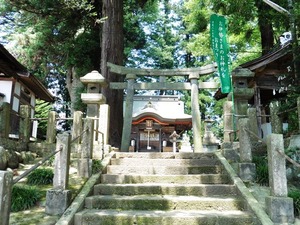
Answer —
154 119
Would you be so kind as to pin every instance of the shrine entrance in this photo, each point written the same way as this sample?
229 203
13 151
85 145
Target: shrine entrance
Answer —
152 137
154 119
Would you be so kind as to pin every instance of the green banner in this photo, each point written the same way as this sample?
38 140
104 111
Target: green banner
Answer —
218 28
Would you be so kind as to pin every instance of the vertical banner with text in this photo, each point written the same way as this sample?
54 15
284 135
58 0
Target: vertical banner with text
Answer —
218 28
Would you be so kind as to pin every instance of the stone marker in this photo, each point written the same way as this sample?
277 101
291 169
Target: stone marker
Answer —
5 196
279 207
246 169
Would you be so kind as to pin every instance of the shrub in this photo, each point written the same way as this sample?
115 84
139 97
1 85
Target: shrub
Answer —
24 197
40 176
96 166
262 172
294 193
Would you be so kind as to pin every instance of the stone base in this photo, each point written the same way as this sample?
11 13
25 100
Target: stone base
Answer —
84 167
231 155
210 148
230 145
280 209
247 171
57 201
186 149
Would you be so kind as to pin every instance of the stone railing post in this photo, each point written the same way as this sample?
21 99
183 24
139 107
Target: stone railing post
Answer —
85 162
246 169
276 121
279 207
77 126
24 127
76 132
228 120
6 179
104 122
253 124
59 198
4 119
51 127
196 118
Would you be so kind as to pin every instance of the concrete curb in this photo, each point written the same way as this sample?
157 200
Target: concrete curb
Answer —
78 203
253 204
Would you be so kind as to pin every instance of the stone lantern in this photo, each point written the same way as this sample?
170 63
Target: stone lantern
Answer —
174 139
210 142
241 92
93 98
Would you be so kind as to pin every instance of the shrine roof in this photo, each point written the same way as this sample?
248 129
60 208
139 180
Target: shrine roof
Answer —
166 109
10 67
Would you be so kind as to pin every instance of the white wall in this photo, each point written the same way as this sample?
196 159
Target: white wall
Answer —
6 89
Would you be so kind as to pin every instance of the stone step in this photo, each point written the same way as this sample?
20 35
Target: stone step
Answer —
165 189
165 202
177 179
165 155
165 162
175 217
161 170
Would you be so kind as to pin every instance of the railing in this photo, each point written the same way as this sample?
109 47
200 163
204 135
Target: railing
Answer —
61 171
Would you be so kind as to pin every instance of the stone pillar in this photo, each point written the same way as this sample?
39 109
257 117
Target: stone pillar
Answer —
4 119
246 169
276 121
24 127
77 127
228 120
6 179
51 127
59 198
253 125
85 162
279 207
128 113
196 118
62 161
104 122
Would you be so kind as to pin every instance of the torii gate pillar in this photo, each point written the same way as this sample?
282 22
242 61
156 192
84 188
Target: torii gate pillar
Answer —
196 118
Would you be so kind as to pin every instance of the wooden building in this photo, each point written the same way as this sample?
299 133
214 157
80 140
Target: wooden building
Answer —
19 87
154 119
272 76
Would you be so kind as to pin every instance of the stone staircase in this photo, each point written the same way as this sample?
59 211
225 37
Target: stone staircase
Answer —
165 188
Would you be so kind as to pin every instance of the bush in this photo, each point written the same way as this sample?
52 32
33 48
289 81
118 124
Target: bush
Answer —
24 197
40 176
294 193
96 166
262 172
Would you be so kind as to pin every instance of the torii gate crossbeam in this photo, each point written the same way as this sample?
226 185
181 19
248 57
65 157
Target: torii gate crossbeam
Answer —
194 85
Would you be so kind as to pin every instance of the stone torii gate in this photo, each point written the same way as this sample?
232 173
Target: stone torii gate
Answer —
194 85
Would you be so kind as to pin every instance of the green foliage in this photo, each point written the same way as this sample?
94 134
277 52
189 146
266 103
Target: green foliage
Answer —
24 197
96 166
294 193
262 172
42 109
40 176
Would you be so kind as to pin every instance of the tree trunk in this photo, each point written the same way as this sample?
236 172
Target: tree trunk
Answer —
112 51
72 84
267 37
265 27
